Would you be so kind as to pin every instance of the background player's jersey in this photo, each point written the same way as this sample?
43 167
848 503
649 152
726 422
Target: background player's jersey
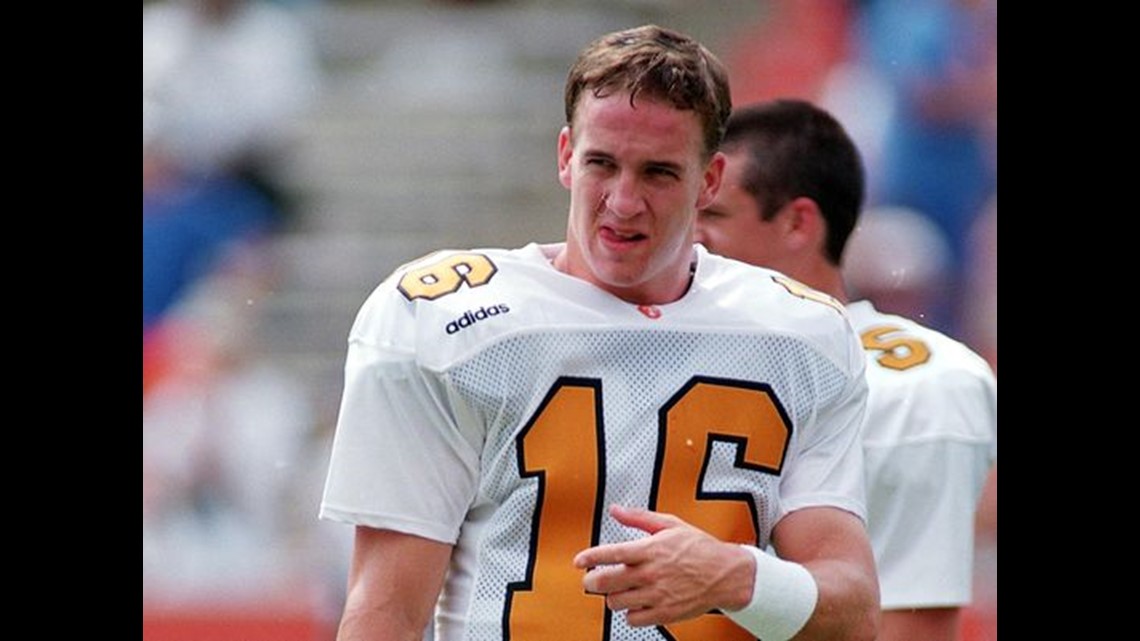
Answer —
929 440
494 402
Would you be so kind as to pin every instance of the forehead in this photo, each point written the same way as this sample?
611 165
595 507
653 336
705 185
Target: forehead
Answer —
646 125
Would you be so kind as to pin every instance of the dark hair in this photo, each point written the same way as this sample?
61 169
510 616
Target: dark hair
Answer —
658 63
795 149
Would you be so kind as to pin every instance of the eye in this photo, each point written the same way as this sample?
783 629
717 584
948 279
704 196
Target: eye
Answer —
662 172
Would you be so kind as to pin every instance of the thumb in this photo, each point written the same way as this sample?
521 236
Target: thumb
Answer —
642 519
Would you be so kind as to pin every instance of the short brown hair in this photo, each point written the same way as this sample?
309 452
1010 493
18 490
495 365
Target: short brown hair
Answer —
795 148
661 64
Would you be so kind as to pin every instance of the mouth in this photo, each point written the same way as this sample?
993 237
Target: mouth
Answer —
620 238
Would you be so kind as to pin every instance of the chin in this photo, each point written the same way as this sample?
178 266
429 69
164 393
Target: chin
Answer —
623 276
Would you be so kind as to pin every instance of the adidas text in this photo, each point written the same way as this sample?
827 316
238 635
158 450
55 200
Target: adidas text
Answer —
469 318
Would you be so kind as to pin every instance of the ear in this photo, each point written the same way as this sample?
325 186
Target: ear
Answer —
714 172
803 224
565 151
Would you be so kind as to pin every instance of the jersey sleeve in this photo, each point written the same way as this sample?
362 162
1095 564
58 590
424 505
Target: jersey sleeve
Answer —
828 470
400 458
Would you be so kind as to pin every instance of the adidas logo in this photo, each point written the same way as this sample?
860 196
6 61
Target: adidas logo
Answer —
469 318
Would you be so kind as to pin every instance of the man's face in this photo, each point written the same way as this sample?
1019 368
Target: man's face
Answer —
732 225
636 180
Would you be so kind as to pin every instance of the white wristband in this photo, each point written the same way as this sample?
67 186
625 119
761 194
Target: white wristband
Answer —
783 598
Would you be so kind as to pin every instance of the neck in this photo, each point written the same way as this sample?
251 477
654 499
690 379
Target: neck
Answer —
825 277
570 261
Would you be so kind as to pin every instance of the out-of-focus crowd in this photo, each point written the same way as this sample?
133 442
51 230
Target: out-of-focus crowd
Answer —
227 451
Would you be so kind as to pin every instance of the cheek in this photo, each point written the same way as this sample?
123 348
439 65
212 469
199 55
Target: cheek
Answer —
734 241
761 252
683 229
721 229
586 192
727 244
710 232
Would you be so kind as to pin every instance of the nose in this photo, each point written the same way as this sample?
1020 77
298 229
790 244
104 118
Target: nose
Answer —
623 198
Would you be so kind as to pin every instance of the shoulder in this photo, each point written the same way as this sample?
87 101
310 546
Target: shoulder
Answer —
902 344
773 302
926 382
781 297
447 299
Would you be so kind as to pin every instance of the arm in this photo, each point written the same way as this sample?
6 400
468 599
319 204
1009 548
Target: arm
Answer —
393 584
928 624
832 545
679 571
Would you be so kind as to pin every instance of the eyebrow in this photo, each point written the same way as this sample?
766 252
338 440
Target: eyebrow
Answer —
670 166
651 164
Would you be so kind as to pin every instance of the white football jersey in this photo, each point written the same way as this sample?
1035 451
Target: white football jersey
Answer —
929 441
500 405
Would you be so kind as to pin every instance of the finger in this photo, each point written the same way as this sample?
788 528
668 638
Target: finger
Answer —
642 519
644 617
610 554
594 582
608 579
641 611
626 600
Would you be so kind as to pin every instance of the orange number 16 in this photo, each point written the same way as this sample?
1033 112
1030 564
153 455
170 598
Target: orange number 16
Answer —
563 447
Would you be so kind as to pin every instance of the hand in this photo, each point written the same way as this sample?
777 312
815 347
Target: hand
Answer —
677 572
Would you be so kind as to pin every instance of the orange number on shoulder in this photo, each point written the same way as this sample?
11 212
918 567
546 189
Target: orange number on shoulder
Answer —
445 276
563 446
796 288
899 352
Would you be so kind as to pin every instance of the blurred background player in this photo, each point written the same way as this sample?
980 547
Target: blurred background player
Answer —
915 85
791 197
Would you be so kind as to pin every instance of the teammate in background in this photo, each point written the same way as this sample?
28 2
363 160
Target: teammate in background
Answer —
599 438
791 196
